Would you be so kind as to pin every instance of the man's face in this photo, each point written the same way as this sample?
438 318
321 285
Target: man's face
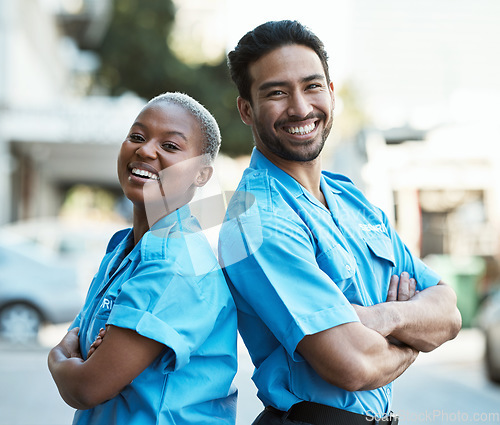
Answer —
292 103
159 161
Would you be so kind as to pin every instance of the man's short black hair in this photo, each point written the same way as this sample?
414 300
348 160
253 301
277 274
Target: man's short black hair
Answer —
262 40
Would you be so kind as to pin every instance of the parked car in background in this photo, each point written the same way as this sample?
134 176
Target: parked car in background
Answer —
46 267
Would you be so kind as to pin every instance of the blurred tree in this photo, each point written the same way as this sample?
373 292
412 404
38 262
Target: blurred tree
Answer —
352 118
135 56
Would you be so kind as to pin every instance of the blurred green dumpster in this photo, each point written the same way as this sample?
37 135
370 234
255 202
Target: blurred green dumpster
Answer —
463 275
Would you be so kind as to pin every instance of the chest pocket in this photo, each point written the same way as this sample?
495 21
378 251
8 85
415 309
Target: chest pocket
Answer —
339 264
100 318
380 246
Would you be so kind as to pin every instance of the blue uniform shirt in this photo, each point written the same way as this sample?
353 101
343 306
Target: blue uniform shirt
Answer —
169 288
294 268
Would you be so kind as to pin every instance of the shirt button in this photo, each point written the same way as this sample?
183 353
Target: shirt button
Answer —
348 267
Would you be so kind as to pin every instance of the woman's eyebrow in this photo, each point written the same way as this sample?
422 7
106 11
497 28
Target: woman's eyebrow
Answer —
167 133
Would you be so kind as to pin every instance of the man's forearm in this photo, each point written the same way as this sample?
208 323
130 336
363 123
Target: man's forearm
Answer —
429 319
386 364
355 358
424 322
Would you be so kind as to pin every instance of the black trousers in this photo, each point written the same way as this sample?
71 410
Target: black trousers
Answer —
271 416
268 417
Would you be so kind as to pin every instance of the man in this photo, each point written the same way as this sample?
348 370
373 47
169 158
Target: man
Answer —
332 306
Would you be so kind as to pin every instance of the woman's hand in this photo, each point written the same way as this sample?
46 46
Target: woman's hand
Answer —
97 342
70 344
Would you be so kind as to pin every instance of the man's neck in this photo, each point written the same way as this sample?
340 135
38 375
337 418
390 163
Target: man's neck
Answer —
308 174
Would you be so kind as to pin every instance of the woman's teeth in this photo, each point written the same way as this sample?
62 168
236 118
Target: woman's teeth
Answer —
144 173
301 130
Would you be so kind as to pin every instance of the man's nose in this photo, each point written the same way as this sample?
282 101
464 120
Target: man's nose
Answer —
147 150
299 106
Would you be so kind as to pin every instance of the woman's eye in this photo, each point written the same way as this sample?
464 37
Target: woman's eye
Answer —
136 138
170 146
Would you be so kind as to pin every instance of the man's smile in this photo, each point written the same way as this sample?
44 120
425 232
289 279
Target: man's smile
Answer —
306 129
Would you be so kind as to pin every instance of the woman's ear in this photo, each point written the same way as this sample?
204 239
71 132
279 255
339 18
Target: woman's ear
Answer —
245 109
204 175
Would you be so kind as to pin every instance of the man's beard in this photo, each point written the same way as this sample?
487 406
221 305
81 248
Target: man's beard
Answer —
304 154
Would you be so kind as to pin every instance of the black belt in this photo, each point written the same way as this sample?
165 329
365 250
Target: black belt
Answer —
320 414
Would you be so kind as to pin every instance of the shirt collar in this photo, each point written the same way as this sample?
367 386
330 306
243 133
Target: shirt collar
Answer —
259 161
169 220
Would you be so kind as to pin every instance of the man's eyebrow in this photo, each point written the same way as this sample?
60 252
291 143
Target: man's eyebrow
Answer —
167 133
314 77
269 84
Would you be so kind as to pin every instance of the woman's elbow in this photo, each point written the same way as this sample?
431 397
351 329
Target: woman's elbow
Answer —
86 399
81 401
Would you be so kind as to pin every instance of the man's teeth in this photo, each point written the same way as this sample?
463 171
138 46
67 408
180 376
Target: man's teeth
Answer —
144 173
301 130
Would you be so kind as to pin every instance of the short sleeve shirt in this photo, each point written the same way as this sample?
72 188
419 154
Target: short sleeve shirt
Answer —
295 267
169 288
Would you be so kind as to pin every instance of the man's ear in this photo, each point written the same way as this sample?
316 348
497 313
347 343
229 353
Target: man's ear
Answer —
245 110
332 94
204 175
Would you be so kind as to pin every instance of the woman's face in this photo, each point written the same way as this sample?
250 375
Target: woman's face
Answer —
160 161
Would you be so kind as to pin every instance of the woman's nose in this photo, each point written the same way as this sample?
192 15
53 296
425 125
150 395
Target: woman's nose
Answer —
147 150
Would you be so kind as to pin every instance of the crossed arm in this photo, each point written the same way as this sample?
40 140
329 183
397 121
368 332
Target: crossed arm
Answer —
424 320
367 355
121 357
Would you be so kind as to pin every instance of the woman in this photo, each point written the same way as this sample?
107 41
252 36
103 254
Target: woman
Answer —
168 355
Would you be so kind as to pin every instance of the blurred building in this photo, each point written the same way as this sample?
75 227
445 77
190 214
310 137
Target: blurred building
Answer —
427 78
442 187
425 72
51 135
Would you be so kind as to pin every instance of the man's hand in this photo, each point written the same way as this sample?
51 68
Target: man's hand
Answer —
401 289
381 320
421 319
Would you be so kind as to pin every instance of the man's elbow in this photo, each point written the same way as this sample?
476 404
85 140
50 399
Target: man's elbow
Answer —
455 324
455 318
356 376
448 333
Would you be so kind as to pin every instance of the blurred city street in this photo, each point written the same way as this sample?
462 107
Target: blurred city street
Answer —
416 87
446 386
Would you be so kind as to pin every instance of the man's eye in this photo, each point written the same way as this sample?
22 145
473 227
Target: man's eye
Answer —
276 93
314 86
136 138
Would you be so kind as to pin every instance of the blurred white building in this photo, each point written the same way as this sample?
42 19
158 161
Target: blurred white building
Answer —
425 71
51 136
